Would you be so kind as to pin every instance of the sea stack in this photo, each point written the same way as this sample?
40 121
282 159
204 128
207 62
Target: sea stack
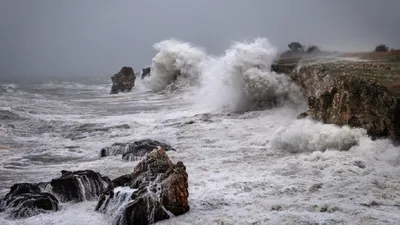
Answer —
123 81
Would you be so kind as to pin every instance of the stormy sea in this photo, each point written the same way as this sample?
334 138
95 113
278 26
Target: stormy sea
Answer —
248 161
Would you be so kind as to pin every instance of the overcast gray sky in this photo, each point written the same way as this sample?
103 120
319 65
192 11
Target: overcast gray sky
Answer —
76 37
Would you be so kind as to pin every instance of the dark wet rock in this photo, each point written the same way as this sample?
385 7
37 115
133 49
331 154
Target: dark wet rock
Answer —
156 190
27 205
79 186
123 81
146 72
276 208
27 199
315 187
360 164
135 150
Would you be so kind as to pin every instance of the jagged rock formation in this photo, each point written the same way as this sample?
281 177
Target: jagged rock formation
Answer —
79 186
354 94
156 190
123 81
30 199
27 199
135 150
146 72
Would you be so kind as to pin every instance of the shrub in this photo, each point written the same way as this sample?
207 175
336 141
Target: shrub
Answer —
313 49
381 48
296 47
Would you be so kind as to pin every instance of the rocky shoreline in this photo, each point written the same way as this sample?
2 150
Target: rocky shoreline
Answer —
157 189
357 94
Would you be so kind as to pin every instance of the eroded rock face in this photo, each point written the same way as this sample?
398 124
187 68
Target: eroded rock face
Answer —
27 199
355 94
134 151
312 80
123 81
156 190
358 103
79 186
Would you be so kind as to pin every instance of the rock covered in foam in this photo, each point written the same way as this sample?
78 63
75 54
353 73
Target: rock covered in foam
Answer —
135 150
27 199
79 186
123 81
156 190
146 72
30 199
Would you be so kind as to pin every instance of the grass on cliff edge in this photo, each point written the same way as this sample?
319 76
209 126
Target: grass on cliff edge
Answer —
374 56
390 78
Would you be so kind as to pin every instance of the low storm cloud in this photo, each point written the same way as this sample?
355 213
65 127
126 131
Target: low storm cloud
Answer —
89 38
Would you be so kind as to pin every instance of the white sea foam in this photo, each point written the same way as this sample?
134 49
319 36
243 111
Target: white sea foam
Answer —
308 136
242 78
176 63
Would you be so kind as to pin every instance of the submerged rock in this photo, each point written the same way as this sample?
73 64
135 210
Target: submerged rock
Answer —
79 186
27 199
146 72
123 81
135 150
156 190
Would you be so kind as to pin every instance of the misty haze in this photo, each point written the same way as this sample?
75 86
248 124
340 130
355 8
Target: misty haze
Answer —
199 112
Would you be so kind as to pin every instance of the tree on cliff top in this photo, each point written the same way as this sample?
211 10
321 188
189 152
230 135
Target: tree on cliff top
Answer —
381 48
296 47
313 49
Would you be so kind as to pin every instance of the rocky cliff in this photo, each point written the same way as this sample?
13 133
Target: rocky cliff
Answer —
358 94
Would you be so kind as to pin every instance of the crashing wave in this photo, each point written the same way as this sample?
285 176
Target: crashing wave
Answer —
177 64
242 78
8 87
309 136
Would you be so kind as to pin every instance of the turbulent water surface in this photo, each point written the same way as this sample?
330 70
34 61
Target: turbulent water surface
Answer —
246 164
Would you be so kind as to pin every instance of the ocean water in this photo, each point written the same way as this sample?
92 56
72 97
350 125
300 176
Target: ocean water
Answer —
248 161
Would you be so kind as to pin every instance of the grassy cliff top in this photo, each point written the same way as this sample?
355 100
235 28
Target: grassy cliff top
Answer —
384 72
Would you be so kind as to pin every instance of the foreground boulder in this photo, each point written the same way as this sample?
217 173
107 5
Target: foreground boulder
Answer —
354 94
156 190
134 151
27 199
79 186
123 81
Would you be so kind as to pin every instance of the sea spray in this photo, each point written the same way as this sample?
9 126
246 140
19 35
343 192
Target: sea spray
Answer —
177 64
115 207
242 78
308 136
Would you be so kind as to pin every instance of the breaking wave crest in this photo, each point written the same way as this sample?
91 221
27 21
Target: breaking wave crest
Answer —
177 64
309 136
242 79
239 80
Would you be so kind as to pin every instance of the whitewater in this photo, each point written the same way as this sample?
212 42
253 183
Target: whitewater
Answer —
233 124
